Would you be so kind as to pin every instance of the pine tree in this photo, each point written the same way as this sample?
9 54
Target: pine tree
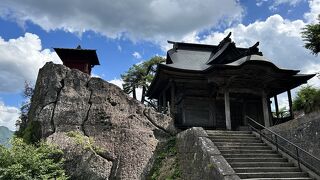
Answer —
311 36
140 76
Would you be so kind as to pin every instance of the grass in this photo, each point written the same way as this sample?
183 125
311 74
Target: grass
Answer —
166 165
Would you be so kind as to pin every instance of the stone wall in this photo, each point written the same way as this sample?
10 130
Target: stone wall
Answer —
199 158
305 133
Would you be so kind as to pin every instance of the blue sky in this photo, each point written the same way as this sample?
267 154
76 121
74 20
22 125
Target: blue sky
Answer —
128 32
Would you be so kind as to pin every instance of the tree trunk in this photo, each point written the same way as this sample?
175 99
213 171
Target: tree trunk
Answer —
143 94
134 92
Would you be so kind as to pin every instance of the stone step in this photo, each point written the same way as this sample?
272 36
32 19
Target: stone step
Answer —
271 155
244 147
260 164
273 175
233 137
257 159
235 140
266 169
245 151
297 178
238 144
227 132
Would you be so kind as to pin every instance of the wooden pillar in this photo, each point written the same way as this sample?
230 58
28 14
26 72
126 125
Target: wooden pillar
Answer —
290 104
244 118
172 101
276 105
227 109
265 108
159 103
164 101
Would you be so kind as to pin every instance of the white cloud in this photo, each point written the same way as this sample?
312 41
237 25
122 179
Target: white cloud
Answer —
312 68
119 48
149 20
8 116
280 41
20 60
312 16
260 2
95 75
276 3
290 2
119 82
136 55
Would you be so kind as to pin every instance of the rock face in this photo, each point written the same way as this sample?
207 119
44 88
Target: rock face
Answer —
124 132
199 157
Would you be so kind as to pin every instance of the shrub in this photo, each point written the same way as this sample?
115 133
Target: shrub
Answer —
307 99
26 161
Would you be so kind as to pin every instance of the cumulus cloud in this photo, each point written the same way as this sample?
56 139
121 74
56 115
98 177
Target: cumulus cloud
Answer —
312 16
119 82
20 61
280 41
139 19
276 3
8 116
136 55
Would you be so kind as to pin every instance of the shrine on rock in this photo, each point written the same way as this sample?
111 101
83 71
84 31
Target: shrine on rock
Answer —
78 58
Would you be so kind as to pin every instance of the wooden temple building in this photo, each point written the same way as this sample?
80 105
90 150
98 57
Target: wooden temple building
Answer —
78 58
217 86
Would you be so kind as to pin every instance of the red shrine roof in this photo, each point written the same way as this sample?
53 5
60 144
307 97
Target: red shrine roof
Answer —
77 55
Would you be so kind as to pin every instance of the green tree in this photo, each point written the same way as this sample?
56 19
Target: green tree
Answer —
25 161
140 76
307 99
311 36
22 122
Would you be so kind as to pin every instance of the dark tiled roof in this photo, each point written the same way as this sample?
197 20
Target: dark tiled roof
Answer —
225 60
199 57
78 54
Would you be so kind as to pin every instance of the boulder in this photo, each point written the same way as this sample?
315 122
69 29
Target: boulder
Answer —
121 133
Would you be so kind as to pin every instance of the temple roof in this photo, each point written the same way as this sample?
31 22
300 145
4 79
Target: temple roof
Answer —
199 57
78 55
248 65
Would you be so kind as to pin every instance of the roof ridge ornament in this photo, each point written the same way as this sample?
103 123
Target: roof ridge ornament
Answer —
175 45
253 50
225 40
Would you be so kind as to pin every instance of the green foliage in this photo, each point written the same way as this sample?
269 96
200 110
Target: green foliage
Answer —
22 122
140 76
25 161
168 151
86 142
311 36
308 99
32 132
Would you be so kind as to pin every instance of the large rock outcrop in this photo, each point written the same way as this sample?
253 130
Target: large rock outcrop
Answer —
119 133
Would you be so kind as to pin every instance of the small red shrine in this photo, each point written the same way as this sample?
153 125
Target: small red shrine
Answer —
78 58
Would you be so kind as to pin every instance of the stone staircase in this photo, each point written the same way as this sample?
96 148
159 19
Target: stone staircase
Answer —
251 158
